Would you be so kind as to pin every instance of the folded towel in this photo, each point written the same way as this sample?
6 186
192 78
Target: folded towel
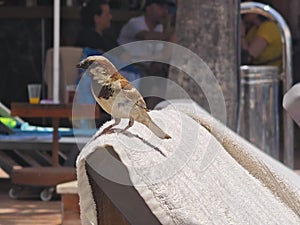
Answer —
205 174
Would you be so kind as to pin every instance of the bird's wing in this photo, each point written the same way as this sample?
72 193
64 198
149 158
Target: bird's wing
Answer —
134 96
129 90
102 91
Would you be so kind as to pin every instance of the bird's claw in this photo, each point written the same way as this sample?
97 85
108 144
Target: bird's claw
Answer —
109 131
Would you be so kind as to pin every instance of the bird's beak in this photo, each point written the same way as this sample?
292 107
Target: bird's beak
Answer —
84 64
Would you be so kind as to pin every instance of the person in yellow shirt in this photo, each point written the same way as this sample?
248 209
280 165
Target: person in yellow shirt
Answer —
260 41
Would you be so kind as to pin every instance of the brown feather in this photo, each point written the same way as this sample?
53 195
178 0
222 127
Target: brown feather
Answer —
116 76
106 92
123 81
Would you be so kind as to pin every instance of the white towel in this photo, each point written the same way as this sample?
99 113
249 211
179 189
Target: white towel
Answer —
205 174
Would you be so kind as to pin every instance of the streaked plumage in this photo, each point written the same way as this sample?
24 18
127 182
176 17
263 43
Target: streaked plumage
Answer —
117 96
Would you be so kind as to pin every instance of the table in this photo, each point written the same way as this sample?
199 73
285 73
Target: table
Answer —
48 176
55 112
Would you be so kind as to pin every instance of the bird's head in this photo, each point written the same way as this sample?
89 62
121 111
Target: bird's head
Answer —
97 66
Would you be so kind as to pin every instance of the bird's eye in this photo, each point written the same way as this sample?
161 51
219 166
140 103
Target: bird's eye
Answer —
90 62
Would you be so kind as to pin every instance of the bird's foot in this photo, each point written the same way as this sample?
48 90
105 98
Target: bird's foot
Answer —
130 124
107 131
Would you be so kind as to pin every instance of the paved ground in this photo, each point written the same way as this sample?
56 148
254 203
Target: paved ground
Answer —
27 211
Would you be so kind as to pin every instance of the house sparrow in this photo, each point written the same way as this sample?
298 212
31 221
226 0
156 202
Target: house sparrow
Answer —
117 96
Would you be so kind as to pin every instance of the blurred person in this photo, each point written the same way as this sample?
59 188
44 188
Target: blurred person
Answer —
95 19
149 26
260 41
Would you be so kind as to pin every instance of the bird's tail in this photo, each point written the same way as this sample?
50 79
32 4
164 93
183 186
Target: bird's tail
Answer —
157 131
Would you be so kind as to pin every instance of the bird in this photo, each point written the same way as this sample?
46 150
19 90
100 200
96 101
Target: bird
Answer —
117 96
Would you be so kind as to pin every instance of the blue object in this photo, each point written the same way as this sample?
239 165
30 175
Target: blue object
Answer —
26 135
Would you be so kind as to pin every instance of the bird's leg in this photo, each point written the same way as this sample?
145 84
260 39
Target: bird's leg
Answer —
109 130
130 124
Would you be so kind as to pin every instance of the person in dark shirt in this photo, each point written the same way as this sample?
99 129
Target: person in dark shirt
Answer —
95 18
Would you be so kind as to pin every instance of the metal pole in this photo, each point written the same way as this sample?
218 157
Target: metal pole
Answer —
266 10
43 57
56 51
